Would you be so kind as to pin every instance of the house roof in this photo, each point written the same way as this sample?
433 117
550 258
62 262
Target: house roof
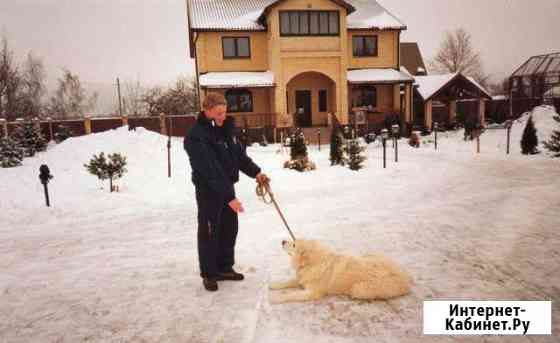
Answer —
542 64
243 15
237 79
430 85
378 76
411 58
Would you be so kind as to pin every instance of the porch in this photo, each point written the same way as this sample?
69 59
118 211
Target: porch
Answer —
379 98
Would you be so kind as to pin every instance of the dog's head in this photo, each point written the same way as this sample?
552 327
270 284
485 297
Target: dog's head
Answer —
304 252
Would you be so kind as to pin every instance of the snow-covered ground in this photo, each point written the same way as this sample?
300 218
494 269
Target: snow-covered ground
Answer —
122 267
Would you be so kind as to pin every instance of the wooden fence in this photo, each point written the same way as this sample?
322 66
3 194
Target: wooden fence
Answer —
256 125
177 125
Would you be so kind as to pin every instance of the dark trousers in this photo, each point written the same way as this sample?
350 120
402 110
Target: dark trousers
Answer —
217 233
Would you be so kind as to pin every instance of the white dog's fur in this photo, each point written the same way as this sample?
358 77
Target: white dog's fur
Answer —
321 272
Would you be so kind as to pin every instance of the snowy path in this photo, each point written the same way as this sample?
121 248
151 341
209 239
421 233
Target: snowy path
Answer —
100 267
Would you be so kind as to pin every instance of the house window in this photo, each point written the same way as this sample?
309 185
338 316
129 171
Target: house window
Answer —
236 47
364 46
309 23
367 96
239 100
323 100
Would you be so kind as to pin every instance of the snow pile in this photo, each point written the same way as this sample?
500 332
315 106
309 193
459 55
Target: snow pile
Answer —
543 117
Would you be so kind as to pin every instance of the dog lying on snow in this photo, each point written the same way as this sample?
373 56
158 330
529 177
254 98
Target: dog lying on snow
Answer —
321 272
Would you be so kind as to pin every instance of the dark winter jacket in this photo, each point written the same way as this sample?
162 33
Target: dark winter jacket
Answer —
216 157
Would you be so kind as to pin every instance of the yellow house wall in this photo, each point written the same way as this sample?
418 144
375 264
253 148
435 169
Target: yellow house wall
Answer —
210 54
387 50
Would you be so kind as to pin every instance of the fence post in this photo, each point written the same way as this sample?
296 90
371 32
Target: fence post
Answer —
51 133
124 120
87 125
36 123
162 124
4 125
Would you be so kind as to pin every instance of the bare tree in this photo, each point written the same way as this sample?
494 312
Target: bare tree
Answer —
152 100
10 82
457 54
133 97
33 89
70 98
181 98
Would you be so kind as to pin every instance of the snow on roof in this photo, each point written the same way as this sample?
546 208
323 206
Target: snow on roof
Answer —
430 84
379 76
237 79
226 14
471 79
500 97
370 14
244 14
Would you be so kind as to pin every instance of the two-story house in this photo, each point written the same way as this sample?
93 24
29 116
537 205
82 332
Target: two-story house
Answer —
298 61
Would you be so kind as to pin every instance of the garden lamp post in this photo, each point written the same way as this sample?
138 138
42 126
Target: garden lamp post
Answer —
319 138
384 136
396 129
436 127
45 176
509 124
478 132
169 147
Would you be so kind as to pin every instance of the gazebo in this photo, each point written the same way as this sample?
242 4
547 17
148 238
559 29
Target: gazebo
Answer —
436 97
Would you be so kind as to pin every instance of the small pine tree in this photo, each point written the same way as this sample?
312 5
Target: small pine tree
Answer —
336 155
112 167
529 140
553 144
29 137
62 134
298 154
10 154
298 148
354 155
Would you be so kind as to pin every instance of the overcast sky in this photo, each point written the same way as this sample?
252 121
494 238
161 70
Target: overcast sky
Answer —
147 39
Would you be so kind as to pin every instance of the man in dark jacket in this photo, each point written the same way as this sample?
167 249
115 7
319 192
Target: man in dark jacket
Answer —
216 158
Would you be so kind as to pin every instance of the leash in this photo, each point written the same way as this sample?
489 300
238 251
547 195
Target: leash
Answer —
265 194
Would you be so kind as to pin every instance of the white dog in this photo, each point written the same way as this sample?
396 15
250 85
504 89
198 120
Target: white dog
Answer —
321 272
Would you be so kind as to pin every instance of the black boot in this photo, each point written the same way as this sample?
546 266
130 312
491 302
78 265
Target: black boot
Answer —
210 284
230 275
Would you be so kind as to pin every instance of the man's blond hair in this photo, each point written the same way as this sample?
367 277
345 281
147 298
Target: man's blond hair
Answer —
212 100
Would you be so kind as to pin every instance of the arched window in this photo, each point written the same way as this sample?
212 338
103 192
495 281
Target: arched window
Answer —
239 100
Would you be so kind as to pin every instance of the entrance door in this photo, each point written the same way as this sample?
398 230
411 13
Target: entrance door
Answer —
303 108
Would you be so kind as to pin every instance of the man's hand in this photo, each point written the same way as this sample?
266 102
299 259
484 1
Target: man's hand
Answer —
236 206
262 178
